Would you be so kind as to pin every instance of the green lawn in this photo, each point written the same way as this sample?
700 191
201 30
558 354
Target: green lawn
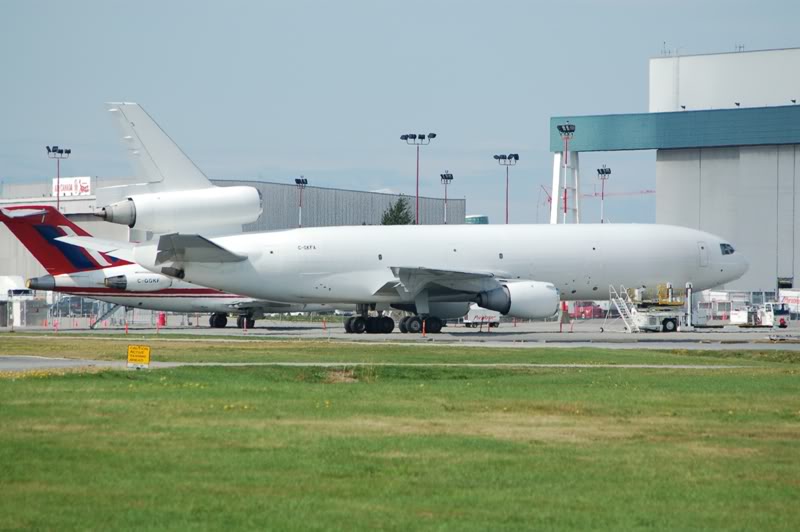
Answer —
401 448
213 349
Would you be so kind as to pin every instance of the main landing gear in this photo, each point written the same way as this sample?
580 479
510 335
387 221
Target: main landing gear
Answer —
218 320
415 324
369 324
364 323
380 324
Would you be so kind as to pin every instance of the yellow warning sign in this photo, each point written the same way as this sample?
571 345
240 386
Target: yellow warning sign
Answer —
138 356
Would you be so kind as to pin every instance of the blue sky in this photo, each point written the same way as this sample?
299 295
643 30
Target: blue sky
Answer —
273 90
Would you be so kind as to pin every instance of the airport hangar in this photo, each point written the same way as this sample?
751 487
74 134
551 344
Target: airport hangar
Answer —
281 210
726 130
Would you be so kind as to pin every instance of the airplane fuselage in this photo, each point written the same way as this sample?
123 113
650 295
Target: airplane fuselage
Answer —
178 296
354 264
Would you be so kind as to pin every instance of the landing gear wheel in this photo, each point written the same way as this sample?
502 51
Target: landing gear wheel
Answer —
373 325
433 325
358 325
348 325
251 322
240 321
669 325
386 325
403 323
218 321
414 324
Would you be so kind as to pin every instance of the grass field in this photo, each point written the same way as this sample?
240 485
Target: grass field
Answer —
399 448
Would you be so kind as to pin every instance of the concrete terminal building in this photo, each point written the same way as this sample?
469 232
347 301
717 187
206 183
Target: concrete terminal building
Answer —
726 130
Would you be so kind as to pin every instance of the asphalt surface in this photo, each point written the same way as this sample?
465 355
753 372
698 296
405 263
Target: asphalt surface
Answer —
31 363
593 333
535 335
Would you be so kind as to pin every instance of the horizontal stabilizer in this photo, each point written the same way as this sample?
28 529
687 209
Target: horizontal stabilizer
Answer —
22 213
192 248
113 248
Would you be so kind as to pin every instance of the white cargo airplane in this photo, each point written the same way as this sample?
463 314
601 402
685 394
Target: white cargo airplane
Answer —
87 273
518 270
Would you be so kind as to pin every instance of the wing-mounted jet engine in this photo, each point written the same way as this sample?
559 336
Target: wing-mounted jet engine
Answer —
522 299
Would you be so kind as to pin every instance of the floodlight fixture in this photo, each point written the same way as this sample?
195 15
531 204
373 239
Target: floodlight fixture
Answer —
566 129
603 174
54 152
417 139
507 160
447 178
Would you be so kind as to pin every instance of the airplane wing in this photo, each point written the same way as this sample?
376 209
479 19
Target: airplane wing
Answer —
113 248
192 248
440 282
155 156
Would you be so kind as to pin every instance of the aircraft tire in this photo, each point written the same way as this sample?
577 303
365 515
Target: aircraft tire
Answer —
433 325
219 320
240 321
359 325
414 324
373 325
251 322
386 325
348 325
403 321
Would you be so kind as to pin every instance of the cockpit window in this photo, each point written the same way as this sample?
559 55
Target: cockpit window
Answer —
726 249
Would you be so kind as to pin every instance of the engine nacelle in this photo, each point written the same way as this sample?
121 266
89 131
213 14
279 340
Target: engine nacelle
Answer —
138 282
182 210
522 299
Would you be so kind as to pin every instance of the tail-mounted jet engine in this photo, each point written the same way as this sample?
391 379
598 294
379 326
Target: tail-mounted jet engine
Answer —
165 212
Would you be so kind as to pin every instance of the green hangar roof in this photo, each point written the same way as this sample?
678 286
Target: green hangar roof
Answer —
751 126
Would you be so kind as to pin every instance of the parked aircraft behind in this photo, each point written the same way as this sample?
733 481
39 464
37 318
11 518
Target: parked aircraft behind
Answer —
88 273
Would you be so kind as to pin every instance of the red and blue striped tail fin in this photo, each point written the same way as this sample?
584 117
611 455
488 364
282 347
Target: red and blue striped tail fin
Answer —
38 226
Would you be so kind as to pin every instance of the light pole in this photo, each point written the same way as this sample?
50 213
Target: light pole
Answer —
447 178
507 160
603 174
566 131
57 153
413 139
301 183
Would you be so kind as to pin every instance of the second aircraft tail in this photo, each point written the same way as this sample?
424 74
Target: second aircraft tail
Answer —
38 228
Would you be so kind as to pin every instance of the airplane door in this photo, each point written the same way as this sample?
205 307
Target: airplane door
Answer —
702 249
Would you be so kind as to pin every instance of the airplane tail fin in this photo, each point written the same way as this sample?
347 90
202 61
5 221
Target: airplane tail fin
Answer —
156 157
38 228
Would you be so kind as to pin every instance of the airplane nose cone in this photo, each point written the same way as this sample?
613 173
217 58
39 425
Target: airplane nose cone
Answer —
739 267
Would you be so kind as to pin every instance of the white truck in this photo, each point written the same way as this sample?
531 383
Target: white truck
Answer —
478 316
766 315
